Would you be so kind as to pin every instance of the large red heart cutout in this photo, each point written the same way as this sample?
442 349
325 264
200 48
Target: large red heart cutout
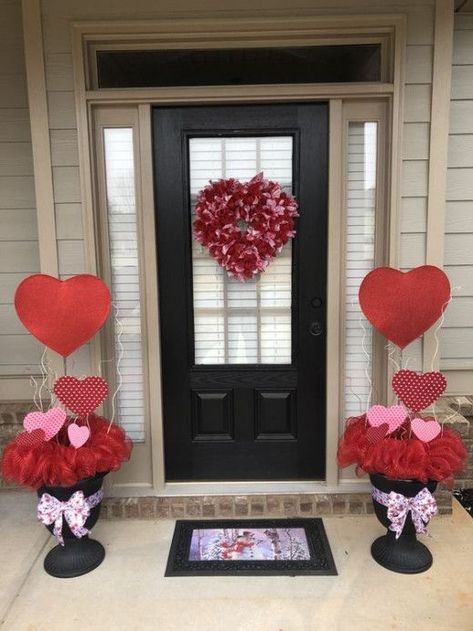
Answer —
82 396
63 314
403 305
418 391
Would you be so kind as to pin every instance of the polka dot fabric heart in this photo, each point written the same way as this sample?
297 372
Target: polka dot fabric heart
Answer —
377 433
418 391
30 439
81 396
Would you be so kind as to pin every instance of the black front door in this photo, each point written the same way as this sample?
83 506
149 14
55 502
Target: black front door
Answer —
243 363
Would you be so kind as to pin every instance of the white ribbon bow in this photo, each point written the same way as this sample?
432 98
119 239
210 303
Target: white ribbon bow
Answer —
423 507
75 511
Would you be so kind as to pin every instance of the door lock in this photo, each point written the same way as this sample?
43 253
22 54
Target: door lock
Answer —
315 328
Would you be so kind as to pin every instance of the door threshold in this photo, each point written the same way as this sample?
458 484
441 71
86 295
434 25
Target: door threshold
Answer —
186 489
249 487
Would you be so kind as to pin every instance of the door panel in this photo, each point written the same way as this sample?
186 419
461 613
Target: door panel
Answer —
243 364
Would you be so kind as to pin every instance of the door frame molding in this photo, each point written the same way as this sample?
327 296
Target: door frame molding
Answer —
276 30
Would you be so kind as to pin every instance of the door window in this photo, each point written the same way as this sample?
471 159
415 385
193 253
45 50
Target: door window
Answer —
241 322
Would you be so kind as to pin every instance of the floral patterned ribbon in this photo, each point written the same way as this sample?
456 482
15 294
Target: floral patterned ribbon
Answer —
423 507
75 511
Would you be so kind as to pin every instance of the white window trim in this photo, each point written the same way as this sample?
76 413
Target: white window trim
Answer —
85 103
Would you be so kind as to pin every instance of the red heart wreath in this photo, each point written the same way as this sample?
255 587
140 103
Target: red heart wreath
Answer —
244 224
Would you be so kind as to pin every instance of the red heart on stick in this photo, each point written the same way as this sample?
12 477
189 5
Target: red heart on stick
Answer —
81 395
418 391
63 314
403 305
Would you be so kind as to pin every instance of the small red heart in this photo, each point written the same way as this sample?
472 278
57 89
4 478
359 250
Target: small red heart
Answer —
418 391
403 305
63 314
377 433
81 396
30 439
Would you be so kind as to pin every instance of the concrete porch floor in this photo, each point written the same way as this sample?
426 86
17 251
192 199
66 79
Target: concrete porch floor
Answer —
128 591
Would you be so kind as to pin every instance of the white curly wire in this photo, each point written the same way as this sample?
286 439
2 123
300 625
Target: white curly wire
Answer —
439 326
44 375
34 385
454 413
367 369
121 352
356 395
391 352
363 405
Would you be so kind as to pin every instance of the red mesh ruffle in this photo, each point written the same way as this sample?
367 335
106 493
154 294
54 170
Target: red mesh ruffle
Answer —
399 457
56 463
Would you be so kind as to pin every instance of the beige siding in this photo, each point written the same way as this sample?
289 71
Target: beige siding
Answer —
57 15
457 335
19 353
415 171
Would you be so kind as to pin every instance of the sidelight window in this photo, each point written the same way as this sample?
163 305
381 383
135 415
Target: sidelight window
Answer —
125 276
364 249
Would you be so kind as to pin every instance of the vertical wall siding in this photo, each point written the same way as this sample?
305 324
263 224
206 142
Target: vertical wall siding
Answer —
457 334
415 152
57 15
19 352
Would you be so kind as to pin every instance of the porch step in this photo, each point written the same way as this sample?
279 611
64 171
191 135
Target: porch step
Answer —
227 506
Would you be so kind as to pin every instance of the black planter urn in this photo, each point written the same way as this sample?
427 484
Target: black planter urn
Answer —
78 555
405 554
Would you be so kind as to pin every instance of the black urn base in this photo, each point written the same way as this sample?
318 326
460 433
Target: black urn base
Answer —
75 558
406 555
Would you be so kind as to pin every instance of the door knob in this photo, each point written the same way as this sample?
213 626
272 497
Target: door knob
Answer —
315 328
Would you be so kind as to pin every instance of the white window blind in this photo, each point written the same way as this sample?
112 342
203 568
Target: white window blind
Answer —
360 259
123 238
235 322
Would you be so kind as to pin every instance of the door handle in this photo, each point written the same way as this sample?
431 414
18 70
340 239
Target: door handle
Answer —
315 328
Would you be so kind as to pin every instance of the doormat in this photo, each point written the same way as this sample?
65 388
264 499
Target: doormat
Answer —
240 547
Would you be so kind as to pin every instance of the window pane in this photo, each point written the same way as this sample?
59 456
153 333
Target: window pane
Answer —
123 237
238 66
241 322
360 259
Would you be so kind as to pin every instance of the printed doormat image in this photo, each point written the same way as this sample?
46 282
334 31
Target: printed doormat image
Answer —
233 547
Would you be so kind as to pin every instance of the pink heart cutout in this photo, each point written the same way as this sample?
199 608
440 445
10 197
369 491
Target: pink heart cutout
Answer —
425 429
78 435
394 416
50 422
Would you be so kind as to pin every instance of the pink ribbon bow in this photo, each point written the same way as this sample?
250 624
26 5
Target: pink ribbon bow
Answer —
423 507
75 511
